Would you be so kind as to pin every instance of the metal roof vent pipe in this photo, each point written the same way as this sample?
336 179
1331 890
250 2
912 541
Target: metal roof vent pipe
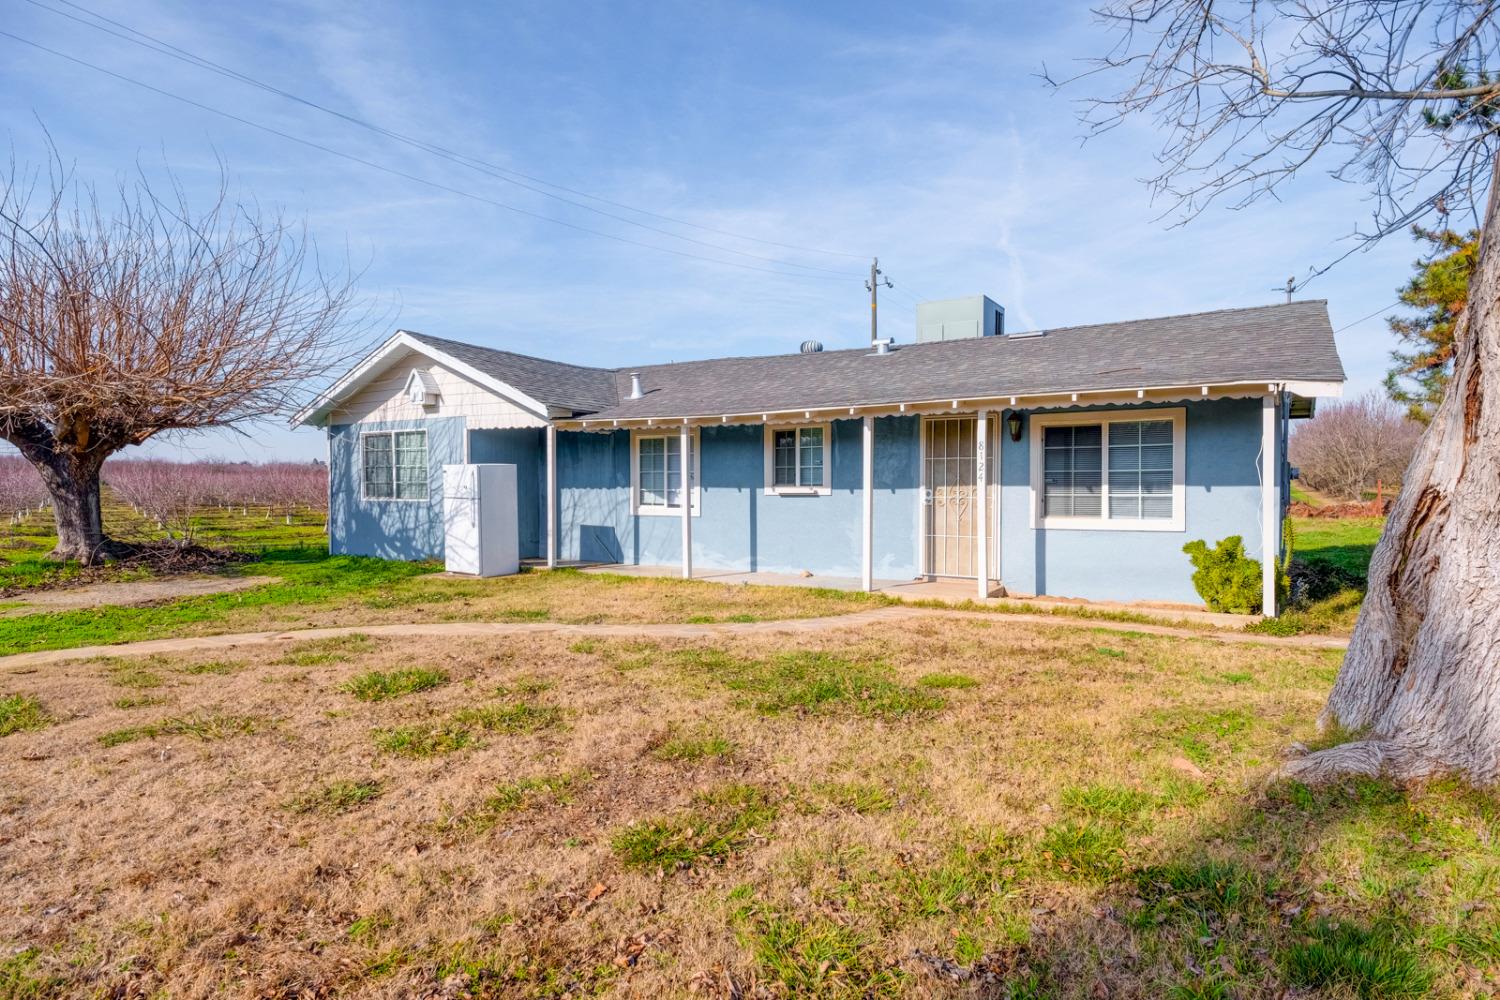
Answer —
635 387
884 346
811 347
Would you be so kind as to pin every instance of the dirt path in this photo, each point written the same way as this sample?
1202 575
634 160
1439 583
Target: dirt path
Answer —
97 595
889 615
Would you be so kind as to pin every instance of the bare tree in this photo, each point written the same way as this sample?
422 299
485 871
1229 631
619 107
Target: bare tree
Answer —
1398 95
1354 445
118 323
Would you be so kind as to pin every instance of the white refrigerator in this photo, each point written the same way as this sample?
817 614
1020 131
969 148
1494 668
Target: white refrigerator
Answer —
482 536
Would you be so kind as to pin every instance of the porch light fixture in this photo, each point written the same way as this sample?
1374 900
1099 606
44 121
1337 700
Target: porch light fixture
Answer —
1013 424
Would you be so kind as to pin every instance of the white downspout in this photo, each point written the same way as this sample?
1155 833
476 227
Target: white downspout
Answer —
551 496
686 439
867 501
1270 504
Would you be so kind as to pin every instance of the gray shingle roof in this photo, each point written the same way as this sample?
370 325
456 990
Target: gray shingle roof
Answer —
1273 343
555 383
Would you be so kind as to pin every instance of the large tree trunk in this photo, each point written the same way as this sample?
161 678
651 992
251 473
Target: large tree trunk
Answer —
72 481
1420 686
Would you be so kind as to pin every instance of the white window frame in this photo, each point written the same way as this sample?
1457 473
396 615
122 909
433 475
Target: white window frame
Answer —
426 450
770 461
1177 522
635 473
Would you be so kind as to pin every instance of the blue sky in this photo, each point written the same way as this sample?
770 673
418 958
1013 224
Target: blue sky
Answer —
920 133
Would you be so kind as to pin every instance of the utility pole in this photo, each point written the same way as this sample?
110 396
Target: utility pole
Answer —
873 284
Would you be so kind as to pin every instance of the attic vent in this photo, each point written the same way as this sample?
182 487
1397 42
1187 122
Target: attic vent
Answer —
422 388
1026 335
885 346
635 386
811 347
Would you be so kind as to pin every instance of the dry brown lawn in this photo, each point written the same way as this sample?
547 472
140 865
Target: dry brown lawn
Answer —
961 807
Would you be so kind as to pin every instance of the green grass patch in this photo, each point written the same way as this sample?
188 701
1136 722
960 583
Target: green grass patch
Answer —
134 674
1346 542
863 797
205 727
139 701
1371 963
1086 851
813 683
423 741
522 794
304 578
693 746
334 649
719 823
817 957
335 797
20 712
509 717
377 685
947 681
216 668
19 979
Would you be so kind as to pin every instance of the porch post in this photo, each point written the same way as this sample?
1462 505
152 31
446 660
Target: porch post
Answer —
1270 503
551 496
981 486
867 500
686 441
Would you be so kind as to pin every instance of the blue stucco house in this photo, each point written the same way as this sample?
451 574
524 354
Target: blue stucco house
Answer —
1072 462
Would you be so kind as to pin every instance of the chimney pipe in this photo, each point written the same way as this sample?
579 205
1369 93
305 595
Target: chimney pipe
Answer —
635 386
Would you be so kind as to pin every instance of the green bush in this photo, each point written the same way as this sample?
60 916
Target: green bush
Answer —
1226 578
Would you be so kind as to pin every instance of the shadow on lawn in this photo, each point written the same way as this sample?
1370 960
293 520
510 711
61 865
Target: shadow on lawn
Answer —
1361 890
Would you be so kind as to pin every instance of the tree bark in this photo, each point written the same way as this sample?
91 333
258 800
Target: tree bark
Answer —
72 482
1420 685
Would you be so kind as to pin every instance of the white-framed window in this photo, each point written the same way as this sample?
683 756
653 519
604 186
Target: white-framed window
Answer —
656 486
797 460
393 465
1115 470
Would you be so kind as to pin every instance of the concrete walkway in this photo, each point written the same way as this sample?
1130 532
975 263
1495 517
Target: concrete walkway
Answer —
924 591
887 615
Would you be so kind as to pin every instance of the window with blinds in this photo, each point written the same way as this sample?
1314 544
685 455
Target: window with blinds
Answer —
1110 470
1140 469
1072 468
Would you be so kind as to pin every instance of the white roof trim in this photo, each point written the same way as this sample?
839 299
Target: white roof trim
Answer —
316 413
1033 401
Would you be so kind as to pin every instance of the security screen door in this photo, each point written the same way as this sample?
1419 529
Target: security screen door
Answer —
953 508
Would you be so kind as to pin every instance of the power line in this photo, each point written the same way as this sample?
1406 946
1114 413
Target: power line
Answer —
437 185
503 174
1372 315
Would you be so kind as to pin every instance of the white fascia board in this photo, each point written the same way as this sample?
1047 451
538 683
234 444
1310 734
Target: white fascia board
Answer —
316 413
1019 401
1315 390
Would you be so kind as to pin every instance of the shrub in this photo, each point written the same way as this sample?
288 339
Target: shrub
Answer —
1226 578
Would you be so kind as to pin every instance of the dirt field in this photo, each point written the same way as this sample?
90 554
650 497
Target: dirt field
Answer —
956 808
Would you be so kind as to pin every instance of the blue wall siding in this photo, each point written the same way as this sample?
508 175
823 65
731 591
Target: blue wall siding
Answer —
525 449
742 527
391 529
739 525
1221 498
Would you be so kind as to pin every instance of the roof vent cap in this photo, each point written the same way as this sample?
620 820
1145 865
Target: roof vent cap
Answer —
885 346
635 387
811 346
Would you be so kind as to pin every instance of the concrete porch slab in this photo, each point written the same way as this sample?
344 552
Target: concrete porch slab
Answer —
946 591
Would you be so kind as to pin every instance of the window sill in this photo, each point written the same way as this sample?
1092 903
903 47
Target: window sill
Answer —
799 491
675 512
1107 524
